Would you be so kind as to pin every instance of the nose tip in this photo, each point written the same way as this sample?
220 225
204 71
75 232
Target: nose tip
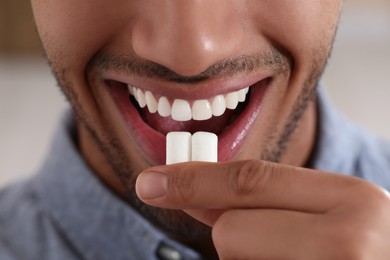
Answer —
187 36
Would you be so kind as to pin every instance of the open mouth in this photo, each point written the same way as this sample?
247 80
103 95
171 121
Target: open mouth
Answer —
166 115
150 116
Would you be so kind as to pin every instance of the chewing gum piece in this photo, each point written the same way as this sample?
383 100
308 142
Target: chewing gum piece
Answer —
204 147
178 147
182 147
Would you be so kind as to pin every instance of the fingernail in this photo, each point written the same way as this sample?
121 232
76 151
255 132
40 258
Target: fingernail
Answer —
151 185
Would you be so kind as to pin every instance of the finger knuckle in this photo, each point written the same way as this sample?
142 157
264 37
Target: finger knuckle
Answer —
376 199
251 178
353 248
354 241
362 225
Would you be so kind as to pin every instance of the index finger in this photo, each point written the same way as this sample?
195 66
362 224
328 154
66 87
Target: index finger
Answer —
242 184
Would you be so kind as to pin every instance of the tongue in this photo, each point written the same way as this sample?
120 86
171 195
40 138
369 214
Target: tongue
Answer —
167 124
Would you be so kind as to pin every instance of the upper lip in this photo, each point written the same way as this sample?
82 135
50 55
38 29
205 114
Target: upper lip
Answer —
190 91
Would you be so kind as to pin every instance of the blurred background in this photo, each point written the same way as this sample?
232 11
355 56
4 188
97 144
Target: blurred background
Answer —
357 81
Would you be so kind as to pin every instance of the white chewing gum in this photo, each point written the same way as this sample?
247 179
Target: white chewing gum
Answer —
178 147
204 147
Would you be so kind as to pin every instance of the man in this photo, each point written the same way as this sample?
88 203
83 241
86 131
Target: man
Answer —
133 72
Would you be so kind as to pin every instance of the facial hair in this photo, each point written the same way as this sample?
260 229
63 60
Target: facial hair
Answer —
175 221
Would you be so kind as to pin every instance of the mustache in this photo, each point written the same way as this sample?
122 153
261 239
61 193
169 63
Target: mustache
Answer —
273 59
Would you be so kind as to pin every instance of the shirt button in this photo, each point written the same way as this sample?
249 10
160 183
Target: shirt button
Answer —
165 252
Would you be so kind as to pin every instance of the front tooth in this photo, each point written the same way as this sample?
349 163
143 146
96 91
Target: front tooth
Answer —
201 110
181 110
242 95
151 102
141 98
232 100
163 107
135 93
219 105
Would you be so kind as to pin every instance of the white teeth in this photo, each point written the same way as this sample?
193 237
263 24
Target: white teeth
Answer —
141 98
181 110
232 100
219 105
242 94
163 107
151 102
201 110
130 87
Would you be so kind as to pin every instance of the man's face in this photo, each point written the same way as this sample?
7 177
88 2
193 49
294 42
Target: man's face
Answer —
182 53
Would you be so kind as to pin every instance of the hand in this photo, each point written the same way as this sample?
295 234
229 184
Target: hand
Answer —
262 210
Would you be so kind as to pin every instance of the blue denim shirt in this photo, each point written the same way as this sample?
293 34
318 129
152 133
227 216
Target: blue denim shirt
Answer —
65 212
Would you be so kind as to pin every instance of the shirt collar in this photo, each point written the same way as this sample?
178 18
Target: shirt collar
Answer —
337 145
98 224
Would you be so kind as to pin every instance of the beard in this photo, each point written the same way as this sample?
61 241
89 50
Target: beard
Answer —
176 222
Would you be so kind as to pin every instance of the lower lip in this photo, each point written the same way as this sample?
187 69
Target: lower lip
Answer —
151 143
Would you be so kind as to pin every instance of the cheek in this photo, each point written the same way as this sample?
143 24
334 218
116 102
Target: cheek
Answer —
72 31
302 27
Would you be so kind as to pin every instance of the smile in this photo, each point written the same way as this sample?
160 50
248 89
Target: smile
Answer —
150 115
185 110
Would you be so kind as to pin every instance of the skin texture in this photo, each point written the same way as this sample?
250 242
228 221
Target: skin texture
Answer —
181 40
